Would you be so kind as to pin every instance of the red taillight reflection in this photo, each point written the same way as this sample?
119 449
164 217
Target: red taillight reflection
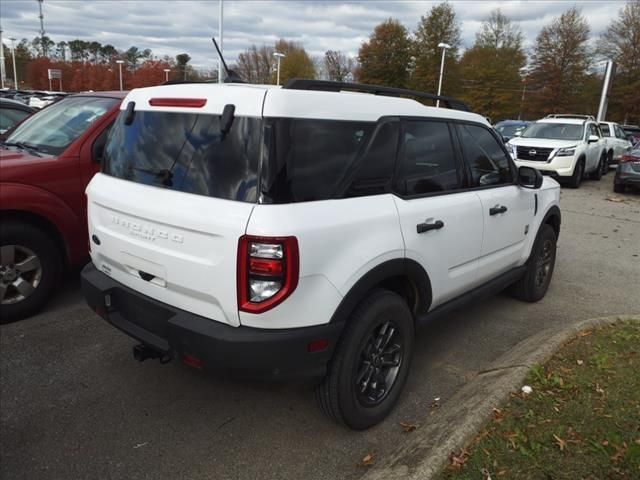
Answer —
192 361
317 346
263 266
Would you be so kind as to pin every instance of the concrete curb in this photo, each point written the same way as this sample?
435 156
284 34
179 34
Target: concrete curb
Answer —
427 449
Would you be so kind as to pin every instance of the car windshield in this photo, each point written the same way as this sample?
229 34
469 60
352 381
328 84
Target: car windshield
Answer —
509 130
53 129
556 131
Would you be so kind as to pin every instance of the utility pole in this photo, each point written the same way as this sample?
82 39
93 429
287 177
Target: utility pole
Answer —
13 56
41 27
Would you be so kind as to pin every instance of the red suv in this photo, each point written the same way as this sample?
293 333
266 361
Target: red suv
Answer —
45 165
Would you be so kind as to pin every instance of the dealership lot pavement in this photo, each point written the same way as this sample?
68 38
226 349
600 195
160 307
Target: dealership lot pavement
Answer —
74 403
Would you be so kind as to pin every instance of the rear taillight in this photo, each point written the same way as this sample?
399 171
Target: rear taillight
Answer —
267 271
629 158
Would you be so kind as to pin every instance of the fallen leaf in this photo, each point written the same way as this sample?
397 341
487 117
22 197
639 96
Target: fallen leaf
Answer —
585 333
138 445
408 427
614 199
561 443
503 472
599 389
620 452
580 362
457 460
527 389
368 459
605 442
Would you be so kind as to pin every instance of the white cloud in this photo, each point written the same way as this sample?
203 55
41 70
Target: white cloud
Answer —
171 27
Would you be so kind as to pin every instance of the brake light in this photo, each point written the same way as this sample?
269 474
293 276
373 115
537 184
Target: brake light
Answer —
629 158
268 269
178 102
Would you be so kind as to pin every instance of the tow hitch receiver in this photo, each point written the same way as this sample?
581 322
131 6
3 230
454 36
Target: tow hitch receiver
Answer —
141 353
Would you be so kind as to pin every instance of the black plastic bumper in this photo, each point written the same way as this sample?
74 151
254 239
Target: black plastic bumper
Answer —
235 351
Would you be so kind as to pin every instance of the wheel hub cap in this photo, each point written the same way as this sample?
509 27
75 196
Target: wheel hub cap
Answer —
20 273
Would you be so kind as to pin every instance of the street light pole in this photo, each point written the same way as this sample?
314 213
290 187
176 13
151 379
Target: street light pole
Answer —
166 74
120 62
444 47
2 72
13 56
525 71
278 56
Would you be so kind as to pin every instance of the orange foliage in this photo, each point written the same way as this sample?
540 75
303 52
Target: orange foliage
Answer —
84 76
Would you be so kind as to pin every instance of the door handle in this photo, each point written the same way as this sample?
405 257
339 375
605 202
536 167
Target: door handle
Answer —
497 209
425 227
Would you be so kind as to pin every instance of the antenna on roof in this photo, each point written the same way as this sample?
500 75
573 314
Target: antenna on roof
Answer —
231 76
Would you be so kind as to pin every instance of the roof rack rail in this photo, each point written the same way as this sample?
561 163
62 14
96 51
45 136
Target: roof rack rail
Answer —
331 86
571 115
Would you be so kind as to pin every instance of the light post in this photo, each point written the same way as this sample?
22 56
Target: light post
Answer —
2 73
444 47
525 71
13 56
278 56
166 74
120 62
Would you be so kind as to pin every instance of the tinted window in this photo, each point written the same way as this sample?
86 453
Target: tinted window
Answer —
54 128
605 129
556 131
10 116
309 159
620 133
186 152
427 163
488 163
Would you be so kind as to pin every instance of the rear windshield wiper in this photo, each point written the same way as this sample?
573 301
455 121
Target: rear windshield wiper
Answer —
24 146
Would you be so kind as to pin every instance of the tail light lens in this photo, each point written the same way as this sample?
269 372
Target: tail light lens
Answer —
268 269
629 158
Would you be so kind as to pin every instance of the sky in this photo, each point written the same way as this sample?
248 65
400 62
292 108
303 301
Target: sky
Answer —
170 27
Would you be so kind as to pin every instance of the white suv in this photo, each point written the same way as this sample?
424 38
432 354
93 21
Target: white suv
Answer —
306 231
616 142
564 146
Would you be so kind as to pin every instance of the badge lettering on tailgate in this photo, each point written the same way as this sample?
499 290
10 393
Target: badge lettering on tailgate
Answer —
145 231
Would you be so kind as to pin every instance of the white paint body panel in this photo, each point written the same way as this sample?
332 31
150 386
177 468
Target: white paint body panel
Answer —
189 242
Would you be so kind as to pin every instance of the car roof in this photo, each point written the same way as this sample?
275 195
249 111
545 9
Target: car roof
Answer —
570 121
110 94
15 103
272 101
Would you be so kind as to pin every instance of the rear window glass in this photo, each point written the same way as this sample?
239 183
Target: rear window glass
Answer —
309 159
187 152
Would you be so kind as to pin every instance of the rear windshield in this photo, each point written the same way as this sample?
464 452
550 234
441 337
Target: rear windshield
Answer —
556 131
187 152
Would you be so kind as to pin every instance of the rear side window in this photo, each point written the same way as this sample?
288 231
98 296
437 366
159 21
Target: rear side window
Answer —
427 161
605 130
187 152
485 157
309 159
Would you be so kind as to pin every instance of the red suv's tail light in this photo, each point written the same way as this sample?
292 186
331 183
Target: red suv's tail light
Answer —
267 271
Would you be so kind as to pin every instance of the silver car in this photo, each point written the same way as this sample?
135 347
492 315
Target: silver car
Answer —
628 172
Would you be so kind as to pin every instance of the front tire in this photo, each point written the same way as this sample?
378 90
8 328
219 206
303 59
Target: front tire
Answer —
370 365
534 283
597 173
30 265
578 172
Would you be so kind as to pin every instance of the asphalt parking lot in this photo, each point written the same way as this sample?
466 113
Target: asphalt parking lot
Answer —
74 403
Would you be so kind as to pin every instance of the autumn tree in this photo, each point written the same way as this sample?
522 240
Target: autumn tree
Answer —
337 65
440 25
559 64
384 58
490 69
621 43
296 63
256 64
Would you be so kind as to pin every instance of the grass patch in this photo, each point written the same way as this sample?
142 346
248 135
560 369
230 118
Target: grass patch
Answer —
582 420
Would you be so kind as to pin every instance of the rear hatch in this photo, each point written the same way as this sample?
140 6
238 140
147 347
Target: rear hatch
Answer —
176 194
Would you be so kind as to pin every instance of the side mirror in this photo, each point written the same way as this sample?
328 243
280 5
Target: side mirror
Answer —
505 139
529 177
593 138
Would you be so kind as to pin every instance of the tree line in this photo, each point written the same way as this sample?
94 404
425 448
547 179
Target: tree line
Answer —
496 75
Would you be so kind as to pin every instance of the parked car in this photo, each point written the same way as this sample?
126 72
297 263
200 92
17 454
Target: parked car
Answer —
616 141
628 171
12 112
633 133
268 231
563 146
45 165
511 128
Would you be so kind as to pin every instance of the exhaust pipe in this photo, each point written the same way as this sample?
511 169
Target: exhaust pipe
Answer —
142 352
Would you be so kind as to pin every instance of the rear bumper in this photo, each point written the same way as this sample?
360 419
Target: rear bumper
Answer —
233 351
627 175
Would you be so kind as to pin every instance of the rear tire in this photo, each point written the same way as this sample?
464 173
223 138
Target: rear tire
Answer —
370 365
30 268
578 172
534 283
618 188
608 163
